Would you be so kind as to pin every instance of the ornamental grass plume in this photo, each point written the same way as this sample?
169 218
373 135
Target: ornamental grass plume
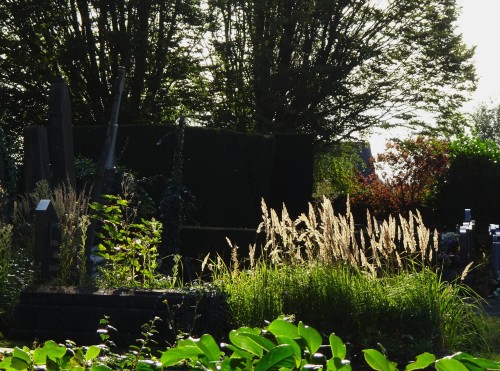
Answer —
321 236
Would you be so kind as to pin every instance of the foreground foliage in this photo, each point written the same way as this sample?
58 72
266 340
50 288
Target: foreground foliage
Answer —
281 345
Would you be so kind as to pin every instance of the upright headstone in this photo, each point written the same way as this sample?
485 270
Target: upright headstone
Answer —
106 170
494 231
468 216
106 165
46 240
61 134
466 239
36 157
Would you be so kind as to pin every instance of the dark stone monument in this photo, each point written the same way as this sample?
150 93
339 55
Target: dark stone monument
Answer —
106 172
494 231
46 237
466 238
106 166
61 134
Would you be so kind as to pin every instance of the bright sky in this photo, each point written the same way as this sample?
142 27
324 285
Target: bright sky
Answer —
479 26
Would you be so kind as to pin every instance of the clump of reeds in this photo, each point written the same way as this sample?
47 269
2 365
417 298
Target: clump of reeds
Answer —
321 236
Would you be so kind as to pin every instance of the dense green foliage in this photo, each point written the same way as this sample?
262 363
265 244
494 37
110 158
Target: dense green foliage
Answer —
336 170
129 249
329 68
8 176
283 345
337 68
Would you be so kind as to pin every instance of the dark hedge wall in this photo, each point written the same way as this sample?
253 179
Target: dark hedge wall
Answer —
227 172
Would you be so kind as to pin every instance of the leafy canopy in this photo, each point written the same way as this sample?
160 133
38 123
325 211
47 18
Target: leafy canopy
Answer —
333 69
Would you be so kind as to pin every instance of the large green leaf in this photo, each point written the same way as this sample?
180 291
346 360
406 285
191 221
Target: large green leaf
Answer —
233 364
311 336
378 361
296 348
21 355
476 363
175 355
54 350
251 330
339 350
209 347
244 342
262 341
78 358
7 364
238 352
100 368
336 364
51 365
280 327
280 357
422 361
39 356
92 352
448 364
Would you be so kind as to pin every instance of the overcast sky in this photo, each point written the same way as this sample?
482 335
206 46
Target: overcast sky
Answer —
479 24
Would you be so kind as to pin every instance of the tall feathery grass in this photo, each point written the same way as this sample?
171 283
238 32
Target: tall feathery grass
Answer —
321 236
369 286
71 209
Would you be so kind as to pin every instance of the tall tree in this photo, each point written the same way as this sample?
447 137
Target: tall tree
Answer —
337 68
85 41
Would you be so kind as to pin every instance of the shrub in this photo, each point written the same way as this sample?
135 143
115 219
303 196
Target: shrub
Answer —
410 171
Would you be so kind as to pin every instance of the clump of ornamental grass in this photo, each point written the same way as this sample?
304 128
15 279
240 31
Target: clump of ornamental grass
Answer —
369 286
72 209
321 236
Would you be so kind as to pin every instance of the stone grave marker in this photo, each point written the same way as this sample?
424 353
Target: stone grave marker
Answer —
494 231
46 240
61 134
466 238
